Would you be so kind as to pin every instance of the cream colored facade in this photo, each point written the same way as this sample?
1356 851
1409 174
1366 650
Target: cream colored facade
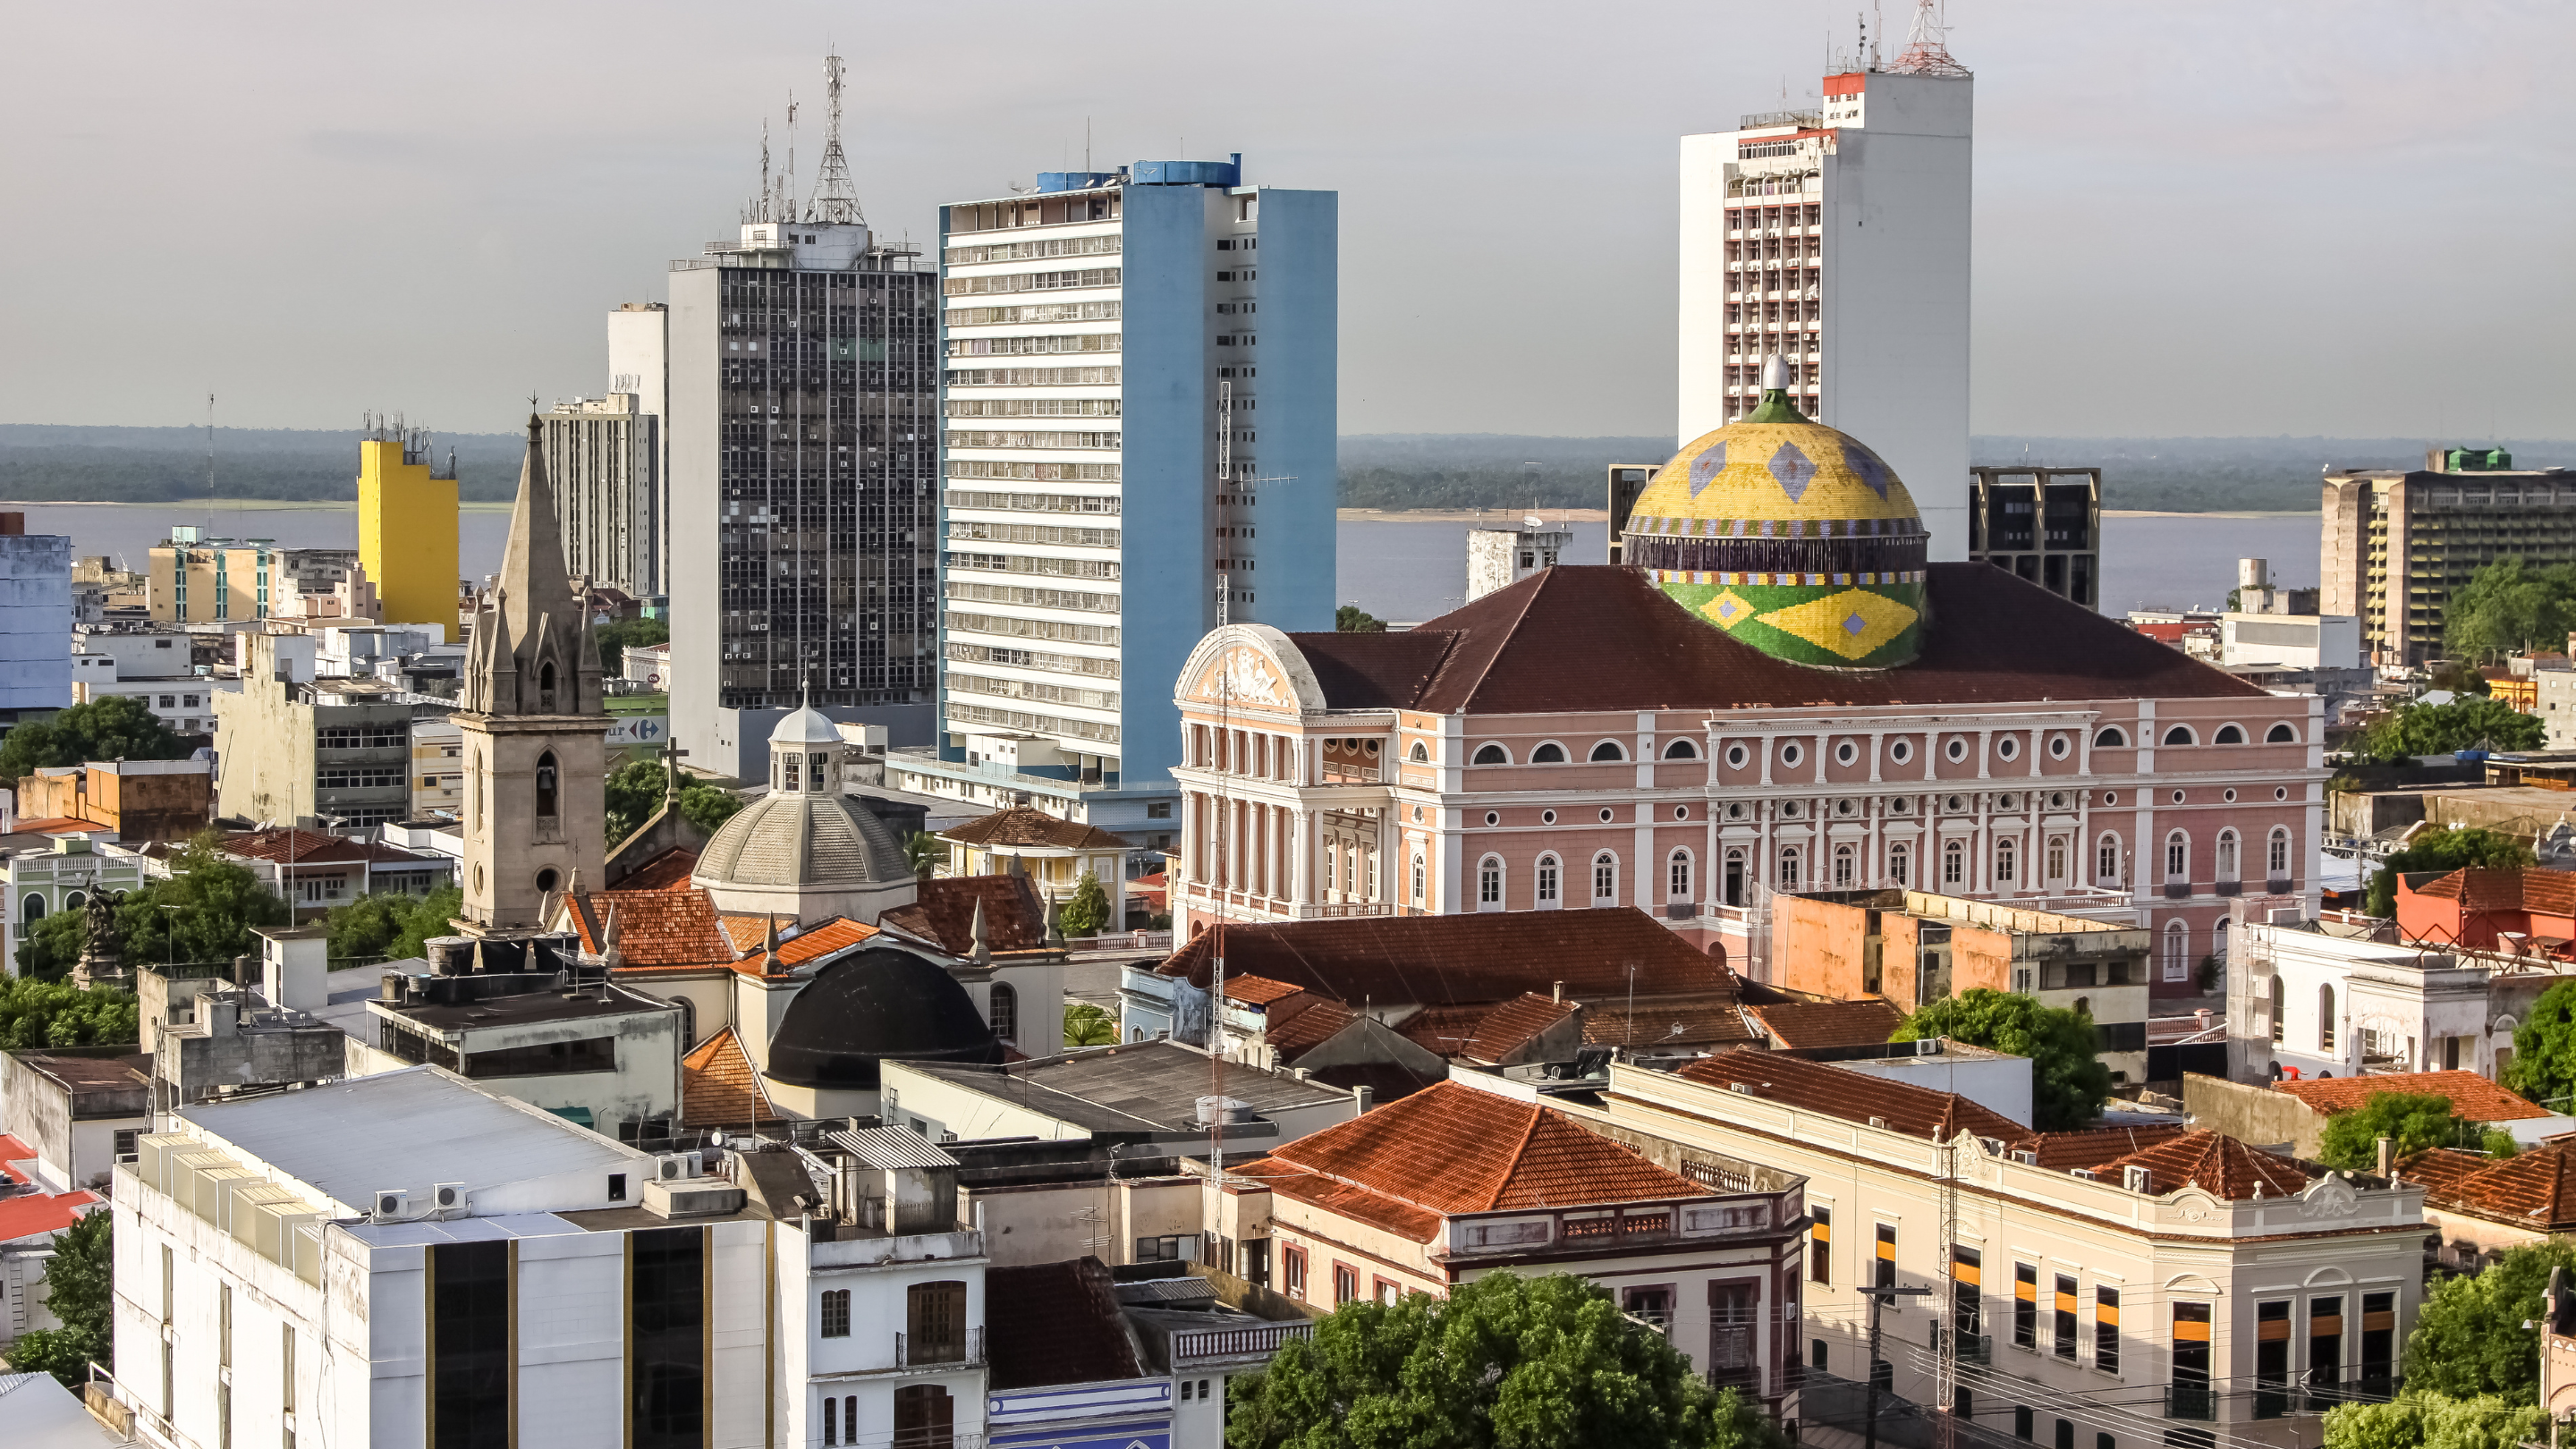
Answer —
437 768
2344 1241
219 580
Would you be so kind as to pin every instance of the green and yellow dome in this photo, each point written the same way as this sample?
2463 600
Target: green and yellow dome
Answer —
1788 535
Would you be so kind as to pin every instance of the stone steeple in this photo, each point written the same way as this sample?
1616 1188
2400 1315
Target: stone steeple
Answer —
531 652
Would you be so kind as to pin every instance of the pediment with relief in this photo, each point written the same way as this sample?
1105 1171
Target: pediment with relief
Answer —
1243 677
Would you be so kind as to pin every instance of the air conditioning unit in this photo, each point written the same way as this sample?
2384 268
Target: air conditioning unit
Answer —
448 1197
2137 1179
2026 1157
391 1205
674 1166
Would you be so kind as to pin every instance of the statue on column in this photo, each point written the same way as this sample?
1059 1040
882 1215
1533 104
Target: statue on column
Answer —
102 963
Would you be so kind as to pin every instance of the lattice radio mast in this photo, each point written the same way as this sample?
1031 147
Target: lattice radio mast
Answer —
1926 50
835 198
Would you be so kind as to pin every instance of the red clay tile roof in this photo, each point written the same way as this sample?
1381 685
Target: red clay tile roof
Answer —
2548 892
1456 1149
1303 1022
943 912
2472 1096
720 1088
1257 990
1478 957
655 929
1829 1023
750 932
58 825
1703 1020
313 847
1485 1034
1022 826
2534 1189
668 871
824 938
2066 1151
2213 1162
1583 639
1064 1326
1335 1196
1853 1096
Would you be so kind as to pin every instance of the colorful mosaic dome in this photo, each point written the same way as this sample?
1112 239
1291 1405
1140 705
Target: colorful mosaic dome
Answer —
1788 535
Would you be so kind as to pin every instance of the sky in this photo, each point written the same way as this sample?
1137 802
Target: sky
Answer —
2191 218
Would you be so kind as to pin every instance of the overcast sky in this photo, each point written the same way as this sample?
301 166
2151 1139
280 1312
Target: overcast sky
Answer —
2192 217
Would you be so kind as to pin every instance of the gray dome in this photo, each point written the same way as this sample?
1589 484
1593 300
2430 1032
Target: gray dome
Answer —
807 726
802 842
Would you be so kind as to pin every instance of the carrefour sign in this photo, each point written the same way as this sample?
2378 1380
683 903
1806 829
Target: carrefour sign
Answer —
640 729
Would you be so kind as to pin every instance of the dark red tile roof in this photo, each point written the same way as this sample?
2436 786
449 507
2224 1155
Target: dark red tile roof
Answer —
313 847
1829 1023
1584 639
1854 1096
1022 826
668 871
1479 957
1257 990
2534 1189
1063 1326
824 938
1301 1023
2472 1096
720 1088
2066 1151
943 912
1681 1020
2213 1162
1485 1033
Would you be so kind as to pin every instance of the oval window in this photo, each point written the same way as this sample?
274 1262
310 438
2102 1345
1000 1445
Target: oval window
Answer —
1957 750
2007 747
1900 750
1790 754
1735 757
1846 752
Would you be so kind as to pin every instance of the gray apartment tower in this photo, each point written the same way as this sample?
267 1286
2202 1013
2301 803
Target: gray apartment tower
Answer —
604 456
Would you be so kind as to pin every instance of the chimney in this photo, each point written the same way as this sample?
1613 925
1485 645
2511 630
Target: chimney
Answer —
1365 1097
2203 1015
2387 1155
1559 993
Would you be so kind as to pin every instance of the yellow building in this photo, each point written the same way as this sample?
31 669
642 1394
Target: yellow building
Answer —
407 529
197 580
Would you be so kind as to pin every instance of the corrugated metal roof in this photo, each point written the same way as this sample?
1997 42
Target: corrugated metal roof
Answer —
1167 1290
888 1148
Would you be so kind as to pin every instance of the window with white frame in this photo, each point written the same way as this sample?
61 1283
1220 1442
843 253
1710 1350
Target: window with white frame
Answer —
2177 951
2177 857
2276 854
1489 884
1420 879
2057 853
1789 867
1605 878
1900 863
2007 855
1547 881
1954 864
2106 860
1677 876
2227 855
1846 867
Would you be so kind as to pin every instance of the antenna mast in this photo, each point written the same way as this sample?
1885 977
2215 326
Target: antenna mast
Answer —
835 199
1926 52
210 445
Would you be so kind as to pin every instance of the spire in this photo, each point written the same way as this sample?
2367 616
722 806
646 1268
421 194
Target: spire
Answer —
981 952
610 957
534 618
1776 405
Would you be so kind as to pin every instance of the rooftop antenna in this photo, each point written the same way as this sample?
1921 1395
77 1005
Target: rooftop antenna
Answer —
835 199
787 200
1086 144
761 213
210 445
1926 51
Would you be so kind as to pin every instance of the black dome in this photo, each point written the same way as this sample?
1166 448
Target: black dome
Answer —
877 1005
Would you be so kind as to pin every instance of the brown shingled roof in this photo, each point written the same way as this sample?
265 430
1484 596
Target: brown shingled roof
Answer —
1063 1326
719 1087
1829 1023
2472 1096
1022 826
2534 1189
2213 1162
1477 957
309 847
1592 638
1854 1096
943 911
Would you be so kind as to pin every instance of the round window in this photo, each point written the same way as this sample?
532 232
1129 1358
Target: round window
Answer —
1790 810
1493 819
1735 757
1953 804
1846 752
1957 750
2007 747
1896 806
1370 747
2058 746
2177 797
1605 814
1790 754
2057 800
546 879
1734 812
1900 750
2110 797
1417 814
2231 796
1547 817
1842 807
1681 812
2280 792
2008 802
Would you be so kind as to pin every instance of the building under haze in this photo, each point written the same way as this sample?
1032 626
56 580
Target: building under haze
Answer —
604 457
35 618
1140 382
1836 235
2399 542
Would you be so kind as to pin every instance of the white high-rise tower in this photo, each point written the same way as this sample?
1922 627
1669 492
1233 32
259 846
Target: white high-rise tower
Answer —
1837 237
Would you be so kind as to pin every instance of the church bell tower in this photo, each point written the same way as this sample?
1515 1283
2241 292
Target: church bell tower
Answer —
536 742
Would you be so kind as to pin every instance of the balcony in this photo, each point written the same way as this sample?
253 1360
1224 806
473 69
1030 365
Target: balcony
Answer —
1199 1348
2177 890
2229 888
2278 885
943 1351
2195 1402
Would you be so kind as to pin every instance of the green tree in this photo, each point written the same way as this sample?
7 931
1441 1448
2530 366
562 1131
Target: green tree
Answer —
2442 850
2544 1049
2433 1421
2416 1122
39 1014
53 946
390 925
1088 911
2497 1143
2068 1083
212 904
118 727
2509 607
2442 729
1505 1362
925 852
1086 1025
1352 619
2469 1339
614 640
637 789
78 1284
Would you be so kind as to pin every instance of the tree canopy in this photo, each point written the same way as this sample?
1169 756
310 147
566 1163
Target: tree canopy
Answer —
1086 1025
2068 1083
1352 619
2442 850
1087 913
2416 1122
38 1014
1504 1362
118 727
212 904
390 925
2442 729
2544 1049
2434 1421
79 1290
2510 607
614 640
637 789
2469 1339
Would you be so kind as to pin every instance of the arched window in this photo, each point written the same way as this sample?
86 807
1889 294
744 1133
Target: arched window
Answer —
1846 867
1677 876
1900 863
2177 857
30 911
2004 862
2227 854
2110 737
924 1414
1550 753
1789 863
1492 755
2218 939
2228 735
1605 879
2276 855
1548 871
2179 735
1489 883
1421 882
2325 1018
1954 864
1681 750
74 900
2177 951
1734 882
546 785
2106 860
474 785
1003 1015
2057 860
546 687
1608 752
1418 755
2281 734
2280 1006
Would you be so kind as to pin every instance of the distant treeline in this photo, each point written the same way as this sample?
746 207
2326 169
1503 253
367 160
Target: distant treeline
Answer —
41 463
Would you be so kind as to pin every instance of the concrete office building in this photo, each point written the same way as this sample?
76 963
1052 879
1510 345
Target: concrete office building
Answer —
1837 236
1106 449
35 618
2040 524
604 455
2399 542
1500 557
195 579
299 750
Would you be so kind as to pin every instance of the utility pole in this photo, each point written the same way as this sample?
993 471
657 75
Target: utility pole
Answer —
1877 1303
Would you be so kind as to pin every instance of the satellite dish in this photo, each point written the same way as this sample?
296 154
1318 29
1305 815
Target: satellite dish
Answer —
715 1139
